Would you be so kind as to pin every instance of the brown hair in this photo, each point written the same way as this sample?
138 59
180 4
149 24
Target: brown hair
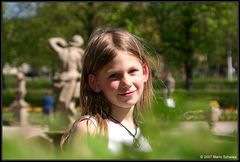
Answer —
102 47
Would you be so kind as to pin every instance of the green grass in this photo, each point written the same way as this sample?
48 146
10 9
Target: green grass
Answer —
35 118
162 127
168 141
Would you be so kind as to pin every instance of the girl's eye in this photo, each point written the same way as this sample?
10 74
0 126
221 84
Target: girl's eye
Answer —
133 71
113 75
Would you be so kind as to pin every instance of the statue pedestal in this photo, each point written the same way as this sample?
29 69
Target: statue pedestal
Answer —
20 112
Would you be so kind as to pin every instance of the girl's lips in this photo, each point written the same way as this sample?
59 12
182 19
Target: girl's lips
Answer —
127 93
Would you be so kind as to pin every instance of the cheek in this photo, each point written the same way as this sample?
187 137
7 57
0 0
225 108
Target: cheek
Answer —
111 86
139 83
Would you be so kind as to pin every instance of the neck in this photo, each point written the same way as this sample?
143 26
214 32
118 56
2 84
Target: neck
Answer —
124 115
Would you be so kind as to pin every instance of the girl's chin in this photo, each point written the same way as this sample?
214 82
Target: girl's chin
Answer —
127 105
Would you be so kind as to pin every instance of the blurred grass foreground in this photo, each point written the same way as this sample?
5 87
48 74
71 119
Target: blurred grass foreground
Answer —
170 138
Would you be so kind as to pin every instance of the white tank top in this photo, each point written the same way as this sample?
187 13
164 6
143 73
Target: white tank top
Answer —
118 135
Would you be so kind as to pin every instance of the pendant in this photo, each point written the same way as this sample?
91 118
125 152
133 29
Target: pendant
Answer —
136 143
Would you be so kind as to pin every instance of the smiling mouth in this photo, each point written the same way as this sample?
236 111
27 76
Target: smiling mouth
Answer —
127 93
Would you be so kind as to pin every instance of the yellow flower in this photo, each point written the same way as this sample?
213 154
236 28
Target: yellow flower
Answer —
37 109
214 103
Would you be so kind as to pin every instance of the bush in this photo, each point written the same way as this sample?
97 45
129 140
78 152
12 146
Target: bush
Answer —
10 81
33 97
226 98
210 83
200 115
232 116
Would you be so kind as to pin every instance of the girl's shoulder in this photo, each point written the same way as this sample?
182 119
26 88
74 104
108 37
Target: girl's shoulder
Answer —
84 125
87 124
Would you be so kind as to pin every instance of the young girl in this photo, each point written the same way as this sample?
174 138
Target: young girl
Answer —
116 86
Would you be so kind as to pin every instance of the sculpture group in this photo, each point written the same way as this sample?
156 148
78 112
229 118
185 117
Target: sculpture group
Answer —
67 83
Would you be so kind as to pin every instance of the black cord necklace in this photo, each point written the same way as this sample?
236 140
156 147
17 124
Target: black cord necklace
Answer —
133 135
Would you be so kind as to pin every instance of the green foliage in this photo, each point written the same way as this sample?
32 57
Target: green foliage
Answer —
195 29
232 116
34 96
36 88
31 83
210 83
199 99
226 98
25 150
165 112
200 115
28 37
163 25
8 97
10 81
204 90
168 139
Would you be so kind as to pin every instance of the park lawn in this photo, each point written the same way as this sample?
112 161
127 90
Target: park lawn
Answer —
35 118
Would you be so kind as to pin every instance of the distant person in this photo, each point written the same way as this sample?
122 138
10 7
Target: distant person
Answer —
48 103
170 85
169 89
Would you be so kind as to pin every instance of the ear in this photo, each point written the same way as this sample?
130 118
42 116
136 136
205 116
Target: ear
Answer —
145 72
92 81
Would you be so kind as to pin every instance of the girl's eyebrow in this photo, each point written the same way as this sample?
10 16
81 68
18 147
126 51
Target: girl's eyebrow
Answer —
112 70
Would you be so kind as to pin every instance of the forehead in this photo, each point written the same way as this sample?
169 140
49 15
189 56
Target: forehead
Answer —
122 60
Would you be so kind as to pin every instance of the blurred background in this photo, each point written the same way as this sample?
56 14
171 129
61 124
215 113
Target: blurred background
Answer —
197 42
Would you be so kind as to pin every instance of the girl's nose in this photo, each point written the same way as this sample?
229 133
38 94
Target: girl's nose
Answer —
126 82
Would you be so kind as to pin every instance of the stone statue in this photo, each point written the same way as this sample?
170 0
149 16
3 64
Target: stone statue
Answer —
19 105
214 113
21 88
68 82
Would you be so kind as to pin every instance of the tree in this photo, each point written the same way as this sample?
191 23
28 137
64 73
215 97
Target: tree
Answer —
187 28
26 37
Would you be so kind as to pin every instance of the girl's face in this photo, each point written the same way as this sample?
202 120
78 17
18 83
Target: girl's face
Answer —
121 80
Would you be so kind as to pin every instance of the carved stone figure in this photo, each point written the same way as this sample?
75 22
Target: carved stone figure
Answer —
68 82
19 105
21 88
213 114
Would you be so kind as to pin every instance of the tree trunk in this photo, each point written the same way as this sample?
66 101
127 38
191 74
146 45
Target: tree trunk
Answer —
188 73
230 68
3 82
229 57
90 16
